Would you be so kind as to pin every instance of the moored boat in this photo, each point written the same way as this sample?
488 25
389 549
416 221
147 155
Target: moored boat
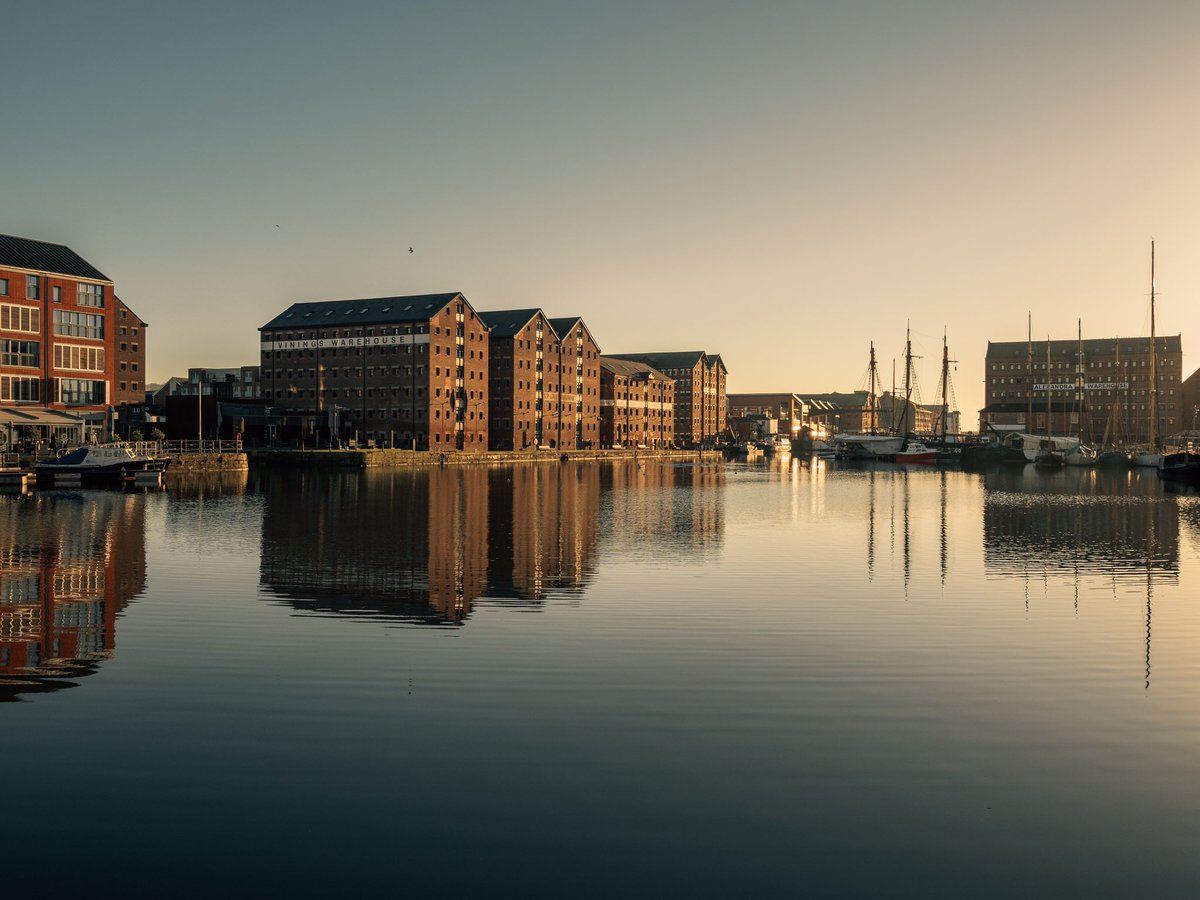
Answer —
917 453
867 446
1183 466
1113 459
1080 456
104 462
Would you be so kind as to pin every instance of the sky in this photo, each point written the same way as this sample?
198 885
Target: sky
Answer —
781 183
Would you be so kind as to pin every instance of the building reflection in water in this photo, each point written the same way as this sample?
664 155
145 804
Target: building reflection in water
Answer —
664 511
69 563
1079 522
426 546
1083 524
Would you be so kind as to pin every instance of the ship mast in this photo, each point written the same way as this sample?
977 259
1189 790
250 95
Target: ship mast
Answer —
907 376
1154 441
1029 374
945 384
1080 385
1049 406
873 401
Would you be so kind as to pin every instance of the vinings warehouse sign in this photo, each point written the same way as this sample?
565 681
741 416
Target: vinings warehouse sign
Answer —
1091 386
377 340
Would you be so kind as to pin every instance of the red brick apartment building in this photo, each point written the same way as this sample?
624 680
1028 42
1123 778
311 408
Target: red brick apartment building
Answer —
129 388
1114 374
699 391
411 371
544 388
57 341
637 405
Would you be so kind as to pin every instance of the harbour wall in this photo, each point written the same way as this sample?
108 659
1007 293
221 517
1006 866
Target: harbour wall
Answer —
209 462
415 458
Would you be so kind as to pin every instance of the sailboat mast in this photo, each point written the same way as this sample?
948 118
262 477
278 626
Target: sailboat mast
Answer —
1154 442
945 383
1029 374
1049 406
873 377
907 375
1079 382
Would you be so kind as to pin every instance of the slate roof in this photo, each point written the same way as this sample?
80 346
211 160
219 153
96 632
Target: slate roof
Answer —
507 322
852 400
26 253
1171 343
563 325
375 311
629 368
684 359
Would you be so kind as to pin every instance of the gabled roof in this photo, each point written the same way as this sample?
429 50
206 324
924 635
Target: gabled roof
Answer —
129 310
564 325
377 310
680 359
717 361
25 253
628 368
507 322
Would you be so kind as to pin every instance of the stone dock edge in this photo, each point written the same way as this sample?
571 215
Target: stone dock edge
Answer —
365 459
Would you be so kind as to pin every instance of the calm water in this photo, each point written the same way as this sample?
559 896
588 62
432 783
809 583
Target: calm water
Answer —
604 680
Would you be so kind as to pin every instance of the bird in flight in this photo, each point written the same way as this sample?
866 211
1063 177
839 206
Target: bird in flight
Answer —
410 249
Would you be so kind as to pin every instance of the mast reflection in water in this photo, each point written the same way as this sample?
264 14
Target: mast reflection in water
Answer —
1079 522
69 563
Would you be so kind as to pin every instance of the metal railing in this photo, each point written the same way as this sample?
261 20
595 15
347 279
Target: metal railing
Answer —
202 446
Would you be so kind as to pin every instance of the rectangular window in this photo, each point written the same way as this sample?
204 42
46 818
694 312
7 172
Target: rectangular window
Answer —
56 293
74 324
31 287
20 318
75 358
80 391
90 295
3 287
19 353
19 388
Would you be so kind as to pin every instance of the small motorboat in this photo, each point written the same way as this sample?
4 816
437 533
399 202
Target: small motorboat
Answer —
916 452
103 462
1181 467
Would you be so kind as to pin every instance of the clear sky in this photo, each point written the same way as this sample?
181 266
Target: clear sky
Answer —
778 182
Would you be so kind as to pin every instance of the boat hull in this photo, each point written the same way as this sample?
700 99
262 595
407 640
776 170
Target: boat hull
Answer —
867 446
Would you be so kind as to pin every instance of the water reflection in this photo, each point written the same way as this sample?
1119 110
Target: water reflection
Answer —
664 512
429 546
1078 522
69 563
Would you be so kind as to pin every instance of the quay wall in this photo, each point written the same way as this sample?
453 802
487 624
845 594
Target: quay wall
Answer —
410 458
208 462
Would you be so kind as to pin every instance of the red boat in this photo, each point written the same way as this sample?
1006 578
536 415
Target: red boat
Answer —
916 452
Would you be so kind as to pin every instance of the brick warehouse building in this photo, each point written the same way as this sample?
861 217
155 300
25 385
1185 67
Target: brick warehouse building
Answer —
699 391
57 341
411 371
579 368
637 405
1116 377
129 387
544 389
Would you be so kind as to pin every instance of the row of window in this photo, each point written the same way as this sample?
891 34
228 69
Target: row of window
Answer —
20 318
78 359
81 391
85 294
20 388
75 324
20 353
